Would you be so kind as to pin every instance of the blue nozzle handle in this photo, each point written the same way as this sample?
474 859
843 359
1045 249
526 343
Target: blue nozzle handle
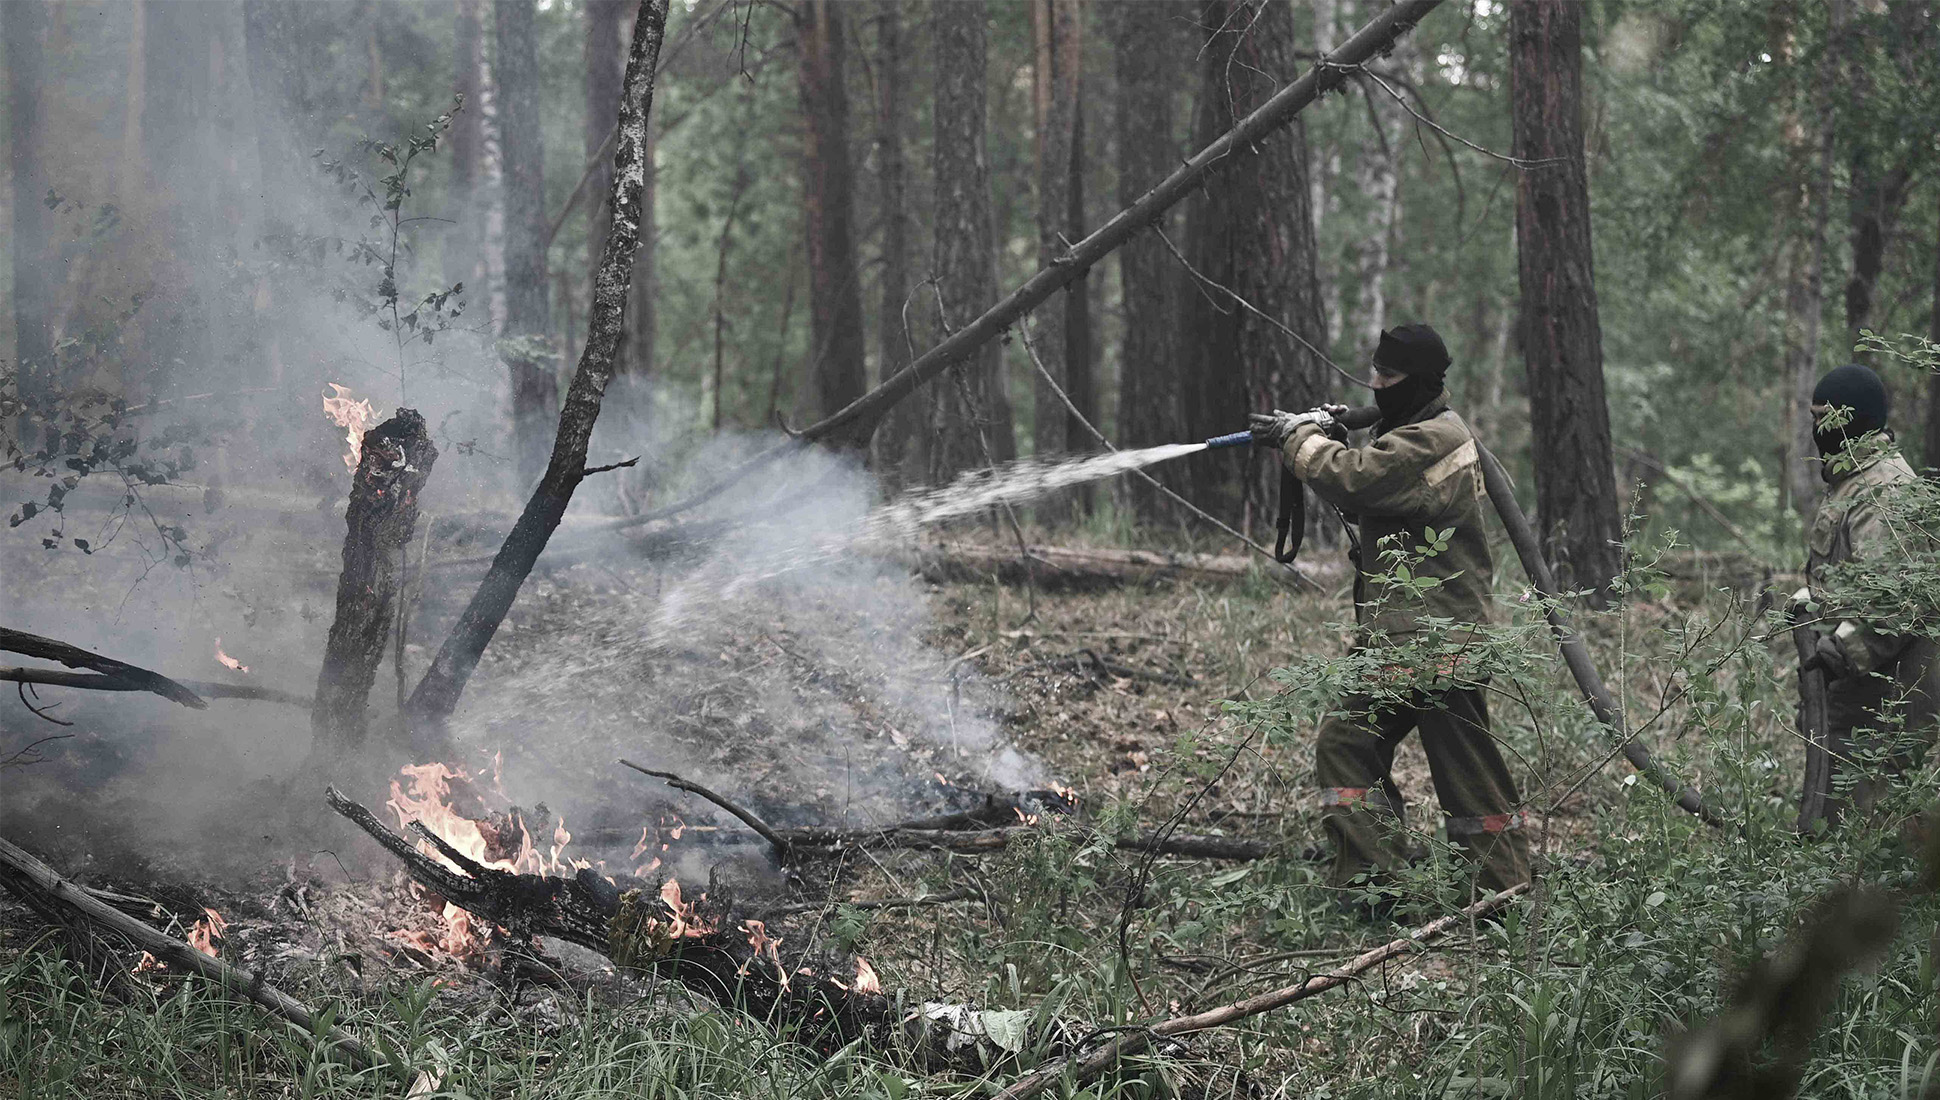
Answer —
1237 439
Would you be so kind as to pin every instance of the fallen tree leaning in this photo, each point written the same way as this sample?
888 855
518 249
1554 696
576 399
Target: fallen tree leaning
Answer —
1130 1043
46 892
49 649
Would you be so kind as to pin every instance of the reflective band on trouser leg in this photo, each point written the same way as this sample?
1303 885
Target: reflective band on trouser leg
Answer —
1373 798
1488 824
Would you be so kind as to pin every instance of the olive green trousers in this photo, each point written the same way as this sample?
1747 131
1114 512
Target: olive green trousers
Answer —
1363 809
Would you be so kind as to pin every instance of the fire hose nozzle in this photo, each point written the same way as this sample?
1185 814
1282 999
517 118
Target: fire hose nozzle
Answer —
1236 439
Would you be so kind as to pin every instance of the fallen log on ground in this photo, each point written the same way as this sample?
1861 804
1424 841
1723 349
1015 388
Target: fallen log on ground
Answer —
1131 1042
95 681
646 927
969 833
812 841
59 901
49 649
1084 568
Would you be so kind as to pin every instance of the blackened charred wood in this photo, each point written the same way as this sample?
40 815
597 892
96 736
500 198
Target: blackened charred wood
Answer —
48 893
397 459
95 681
436 696
617 917
33 645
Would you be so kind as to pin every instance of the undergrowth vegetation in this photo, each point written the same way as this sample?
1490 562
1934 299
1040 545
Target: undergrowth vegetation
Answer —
1643 926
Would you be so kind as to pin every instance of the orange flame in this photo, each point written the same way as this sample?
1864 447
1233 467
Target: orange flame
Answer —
354 417
206 935
866 980
227 661
427 799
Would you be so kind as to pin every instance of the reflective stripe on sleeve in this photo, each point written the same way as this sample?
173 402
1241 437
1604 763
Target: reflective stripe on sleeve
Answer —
1487 824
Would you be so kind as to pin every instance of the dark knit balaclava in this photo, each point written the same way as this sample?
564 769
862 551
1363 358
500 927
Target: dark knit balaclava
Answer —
1850 387
1416 352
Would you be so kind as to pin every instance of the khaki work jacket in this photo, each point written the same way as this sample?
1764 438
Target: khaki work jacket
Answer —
1418 475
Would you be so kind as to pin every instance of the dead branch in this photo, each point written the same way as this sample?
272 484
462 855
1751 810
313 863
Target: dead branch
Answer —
437 693
853 425
948 898
1133 1042
48 649
807 841
94 681
60 900
748 817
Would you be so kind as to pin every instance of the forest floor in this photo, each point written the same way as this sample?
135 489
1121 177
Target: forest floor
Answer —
868 697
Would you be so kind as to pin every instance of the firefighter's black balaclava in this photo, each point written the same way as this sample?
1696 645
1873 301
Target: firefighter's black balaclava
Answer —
1853 387
1416 351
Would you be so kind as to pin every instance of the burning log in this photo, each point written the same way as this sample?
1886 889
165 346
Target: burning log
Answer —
644 927
61 902
395 462
33 645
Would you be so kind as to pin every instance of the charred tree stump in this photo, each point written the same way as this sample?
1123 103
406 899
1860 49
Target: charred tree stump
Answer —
397 460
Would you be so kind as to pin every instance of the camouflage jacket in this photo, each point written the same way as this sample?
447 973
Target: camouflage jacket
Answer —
1850 526
1419 475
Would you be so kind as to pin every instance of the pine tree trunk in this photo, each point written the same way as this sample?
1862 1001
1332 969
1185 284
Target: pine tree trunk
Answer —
1061 321
837 360
1805 291
1877 194
898 445
1144 48
467 145
972 407
1562 342
526 334
1252 234
1930 455
24 26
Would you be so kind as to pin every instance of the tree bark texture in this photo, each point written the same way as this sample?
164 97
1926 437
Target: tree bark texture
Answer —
1251 232
1881 161
1805 288
1057 33
1562 342
467 144
435 697
25 27
397 460
603 54
837 373
1930 454
971 416
900 442
1378 174
1144 46
526 332
853 425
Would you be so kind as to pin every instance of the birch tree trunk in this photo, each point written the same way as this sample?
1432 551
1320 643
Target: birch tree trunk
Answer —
1562 341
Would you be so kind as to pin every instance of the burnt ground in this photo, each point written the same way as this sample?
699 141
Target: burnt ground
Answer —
853 695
